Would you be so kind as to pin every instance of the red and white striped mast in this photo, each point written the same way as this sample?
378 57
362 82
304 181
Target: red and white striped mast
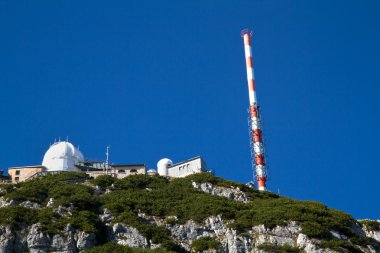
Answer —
258 156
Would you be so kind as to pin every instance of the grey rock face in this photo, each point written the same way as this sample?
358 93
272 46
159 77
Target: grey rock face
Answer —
106 217
4 202
231 193
232 242
84 240
310 246
34 240
64 211
372 234
280 235
31 205
64 244
73 241
37 241
150 219
213 227
50 203
6 239
126 235
97 190
189 231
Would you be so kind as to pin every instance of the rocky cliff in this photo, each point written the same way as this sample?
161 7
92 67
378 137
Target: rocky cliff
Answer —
200 213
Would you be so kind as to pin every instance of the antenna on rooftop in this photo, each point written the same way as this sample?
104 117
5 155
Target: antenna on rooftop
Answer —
107 154
107 158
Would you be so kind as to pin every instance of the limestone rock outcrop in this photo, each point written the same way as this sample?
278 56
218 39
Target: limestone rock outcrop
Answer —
231 193
34 240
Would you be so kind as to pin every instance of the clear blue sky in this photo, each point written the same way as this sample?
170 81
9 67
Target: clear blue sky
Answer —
158 79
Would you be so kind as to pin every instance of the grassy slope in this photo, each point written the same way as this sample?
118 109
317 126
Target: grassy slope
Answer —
159 197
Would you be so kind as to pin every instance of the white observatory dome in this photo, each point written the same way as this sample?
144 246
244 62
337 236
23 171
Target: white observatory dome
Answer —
62 156
152 172
162 166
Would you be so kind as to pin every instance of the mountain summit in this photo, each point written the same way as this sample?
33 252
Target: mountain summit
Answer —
71 212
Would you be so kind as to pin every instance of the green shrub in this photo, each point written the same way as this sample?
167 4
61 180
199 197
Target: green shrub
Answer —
371 225
279 248
315 230
110 248
205 243
64 176
177 198
32 191
16 216
51 222
340 246
158 234
6 188
81 196
115 248
141 181
172 247
104 181
364 241
85 220
37 189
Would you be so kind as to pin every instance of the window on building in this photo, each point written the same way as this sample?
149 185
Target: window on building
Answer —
17 172
17 179
133 171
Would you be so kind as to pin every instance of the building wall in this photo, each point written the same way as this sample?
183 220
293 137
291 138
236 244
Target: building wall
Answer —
124 171
186 168
21 174
119 172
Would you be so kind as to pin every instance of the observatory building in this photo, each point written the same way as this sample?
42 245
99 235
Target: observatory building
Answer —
63 156
166 168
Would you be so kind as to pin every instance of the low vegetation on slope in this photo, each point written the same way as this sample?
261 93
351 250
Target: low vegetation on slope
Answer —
65 191
205 243
115 248
279 248
157 196
371 225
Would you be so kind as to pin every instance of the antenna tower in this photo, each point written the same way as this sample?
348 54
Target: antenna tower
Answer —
256 139
107 158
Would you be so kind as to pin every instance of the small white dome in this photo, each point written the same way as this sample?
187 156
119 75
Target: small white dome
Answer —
162 166
152 172
62 156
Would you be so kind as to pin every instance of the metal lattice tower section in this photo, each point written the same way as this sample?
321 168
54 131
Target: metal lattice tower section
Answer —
256 139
